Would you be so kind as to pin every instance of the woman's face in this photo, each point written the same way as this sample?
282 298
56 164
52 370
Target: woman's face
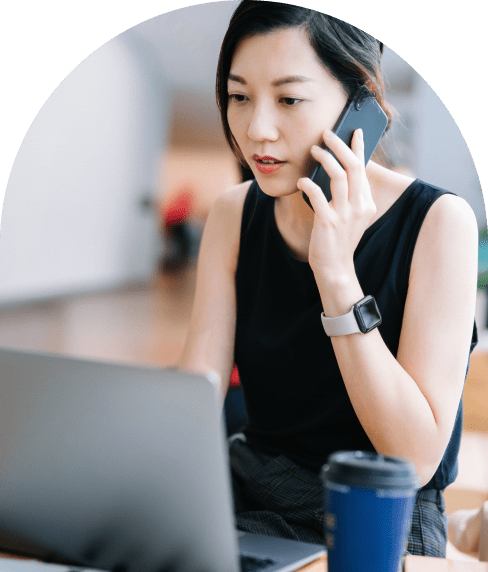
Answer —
281 98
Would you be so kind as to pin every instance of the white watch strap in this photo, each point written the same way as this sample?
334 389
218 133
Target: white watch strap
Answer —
342 325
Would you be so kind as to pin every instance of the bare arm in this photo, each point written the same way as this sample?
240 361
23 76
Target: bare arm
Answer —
408 405
210 342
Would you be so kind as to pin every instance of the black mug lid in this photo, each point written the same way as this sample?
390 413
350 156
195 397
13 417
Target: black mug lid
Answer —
370 470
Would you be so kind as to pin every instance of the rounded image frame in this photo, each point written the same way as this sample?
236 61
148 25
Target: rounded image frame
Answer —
34 64
39 68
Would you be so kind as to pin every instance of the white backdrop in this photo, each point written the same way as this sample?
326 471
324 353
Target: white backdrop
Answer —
72 216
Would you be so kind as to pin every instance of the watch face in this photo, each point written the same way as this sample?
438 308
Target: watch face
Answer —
367 314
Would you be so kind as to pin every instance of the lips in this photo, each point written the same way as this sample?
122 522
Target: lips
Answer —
266 164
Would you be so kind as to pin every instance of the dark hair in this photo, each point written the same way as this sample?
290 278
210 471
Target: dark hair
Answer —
351 56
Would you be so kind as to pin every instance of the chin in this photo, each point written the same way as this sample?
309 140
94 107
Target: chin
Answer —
276 188
275 185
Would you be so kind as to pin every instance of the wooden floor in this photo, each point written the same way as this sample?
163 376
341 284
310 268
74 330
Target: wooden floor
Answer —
141 324
147 324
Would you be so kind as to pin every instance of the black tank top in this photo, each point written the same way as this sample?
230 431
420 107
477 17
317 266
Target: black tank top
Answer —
296 400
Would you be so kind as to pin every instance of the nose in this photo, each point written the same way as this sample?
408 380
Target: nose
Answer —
263 125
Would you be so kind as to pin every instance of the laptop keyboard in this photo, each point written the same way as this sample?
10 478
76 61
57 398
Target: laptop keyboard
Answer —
253 564
248 564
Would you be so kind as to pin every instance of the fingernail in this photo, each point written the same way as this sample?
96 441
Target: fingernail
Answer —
361 134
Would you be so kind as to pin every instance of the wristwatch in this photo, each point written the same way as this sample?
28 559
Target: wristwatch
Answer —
363 317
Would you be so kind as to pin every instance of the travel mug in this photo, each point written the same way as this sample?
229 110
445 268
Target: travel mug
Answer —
369 502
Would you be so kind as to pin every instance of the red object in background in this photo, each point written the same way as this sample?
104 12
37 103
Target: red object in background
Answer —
234 378
177 209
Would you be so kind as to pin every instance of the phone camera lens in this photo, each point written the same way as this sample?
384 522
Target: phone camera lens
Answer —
359 104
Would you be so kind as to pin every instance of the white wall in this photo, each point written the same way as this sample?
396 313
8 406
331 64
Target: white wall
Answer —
425 139
442 156
72 219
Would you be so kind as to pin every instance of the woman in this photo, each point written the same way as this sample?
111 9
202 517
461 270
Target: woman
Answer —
270 267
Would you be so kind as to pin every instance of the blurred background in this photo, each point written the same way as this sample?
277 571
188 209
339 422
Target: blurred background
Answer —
111 187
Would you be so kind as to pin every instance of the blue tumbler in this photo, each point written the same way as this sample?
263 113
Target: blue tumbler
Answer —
369 503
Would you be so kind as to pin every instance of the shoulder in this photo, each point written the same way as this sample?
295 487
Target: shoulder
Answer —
450 217
226 211
221 237
231 201
449 234
452 208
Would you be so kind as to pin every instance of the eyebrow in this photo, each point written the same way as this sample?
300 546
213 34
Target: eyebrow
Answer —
276 82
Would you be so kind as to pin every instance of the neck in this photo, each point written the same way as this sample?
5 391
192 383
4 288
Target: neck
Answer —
294 208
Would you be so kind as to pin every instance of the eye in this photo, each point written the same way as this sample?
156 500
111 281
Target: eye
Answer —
290 101
237 97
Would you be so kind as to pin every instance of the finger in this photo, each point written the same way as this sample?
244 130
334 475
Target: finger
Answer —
357 175
338 176
316 196
352 160
357 145
345 154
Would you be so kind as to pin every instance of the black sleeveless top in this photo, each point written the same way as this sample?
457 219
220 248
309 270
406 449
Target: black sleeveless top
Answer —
296 400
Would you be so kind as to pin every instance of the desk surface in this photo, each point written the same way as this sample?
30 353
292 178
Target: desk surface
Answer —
412 564
417 564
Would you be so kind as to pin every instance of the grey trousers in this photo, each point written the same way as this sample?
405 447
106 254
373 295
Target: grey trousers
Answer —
275 497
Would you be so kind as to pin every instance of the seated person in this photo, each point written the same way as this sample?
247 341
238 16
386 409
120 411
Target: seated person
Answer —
270 268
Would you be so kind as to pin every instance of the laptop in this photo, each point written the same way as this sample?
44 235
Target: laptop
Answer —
122 468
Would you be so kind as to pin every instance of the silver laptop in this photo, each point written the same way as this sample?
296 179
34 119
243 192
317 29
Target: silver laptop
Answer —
122 468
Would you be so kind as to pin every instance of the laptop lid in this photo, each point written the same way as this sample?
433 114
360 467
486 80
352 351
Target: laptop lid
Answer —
102 463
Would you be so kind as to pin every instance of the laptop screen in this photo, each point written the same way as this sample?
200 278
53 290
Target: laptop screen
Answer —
115 466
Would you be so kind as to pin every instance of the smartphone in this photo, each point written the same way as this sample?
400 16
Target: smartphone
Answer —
364 113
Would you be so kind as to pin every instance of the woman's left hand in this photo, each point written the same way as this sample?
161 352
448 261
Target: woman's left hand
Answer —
339 224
